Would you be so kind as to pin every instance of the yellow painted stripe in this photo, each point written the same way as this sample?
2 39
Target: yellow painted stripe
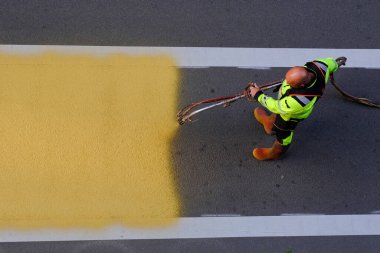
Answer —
86 141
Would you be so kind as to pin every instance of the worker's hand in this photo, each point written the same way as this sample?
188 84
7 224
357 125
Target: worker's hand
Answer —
341 61
253 89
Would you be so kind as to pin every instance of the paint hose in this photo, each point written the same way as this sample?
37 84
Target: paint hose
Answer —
185 114
363 101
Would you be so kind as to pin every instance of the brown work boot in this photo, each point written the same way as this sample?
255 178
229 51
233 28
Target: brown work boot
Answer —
272 153
265 120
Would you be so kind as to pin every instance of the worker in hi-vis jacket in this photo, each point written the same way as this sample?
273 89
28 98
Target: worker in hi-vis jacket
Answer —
299 92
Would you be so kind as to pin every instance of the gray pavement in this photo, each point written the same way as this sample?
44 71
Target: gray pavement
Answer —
333 165
340 244
211 23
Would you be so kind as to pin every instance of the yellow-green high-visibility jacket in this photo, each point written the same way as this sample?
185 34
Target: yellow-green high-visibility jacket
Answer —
296 104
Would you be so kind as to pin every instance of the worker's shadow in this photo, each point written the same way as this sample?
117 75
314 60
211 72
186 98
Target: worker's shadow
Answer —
215 172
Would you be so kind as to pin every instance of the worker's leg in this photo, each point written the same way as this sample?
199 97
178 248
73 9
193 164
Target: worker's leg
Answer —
280 146
263 118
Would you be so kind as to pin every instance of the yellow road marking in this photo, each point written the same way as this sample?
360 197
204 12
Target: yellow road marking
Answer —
86 141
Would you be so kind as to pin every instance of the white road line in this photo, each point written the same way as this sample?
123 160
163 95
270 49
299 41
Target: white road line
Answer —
220 215
217 227
222 57
289 214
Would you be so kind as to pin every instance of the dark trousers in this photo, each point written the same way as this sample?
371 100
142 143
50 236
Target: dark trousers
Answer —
284 129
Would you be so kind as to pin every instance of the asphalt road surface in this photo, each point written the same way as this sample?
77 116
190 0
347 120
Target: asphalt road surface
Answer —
333 166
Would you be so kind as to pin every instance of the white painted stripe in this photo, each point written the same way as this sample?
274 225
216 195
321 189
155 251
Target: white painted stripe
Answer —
217 227
222 57
287 214
220 215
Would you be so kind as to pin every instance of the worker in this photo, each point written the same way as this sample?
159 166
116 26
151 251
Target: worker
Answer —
301 89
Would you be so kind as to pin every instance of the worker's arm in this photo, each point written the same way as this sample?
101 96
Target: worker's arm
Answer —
286 105
331 63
